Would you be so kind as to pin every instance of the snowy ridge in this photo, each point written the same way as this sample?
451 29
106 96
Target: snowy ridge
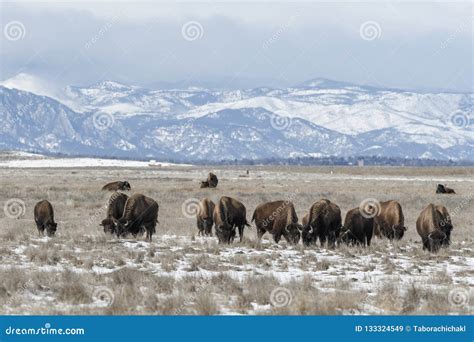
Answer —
317 118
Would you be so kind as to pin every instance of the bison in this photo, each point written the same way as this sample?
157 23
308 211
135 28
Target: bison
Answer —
229 213
443 189
114 211
358 228
434 227
204 216
44 218
324 222
211 181
279 219
389 221
139 214
116 186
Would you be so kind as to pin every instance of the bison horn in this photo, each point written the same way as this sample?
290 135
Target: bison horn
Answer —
311 230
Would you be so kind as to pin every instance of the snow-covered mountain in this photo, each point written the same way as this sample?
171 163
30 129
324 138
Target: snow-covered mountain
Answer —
317 118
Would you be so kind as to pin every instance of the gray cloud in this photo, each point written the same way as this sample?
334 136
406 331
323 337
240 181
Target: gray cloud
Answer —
424 45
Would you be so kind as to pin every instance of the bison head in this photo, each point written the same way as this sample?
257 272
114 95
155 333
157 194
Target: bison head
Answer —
121 227
51 228
109 225
446 227
308 235
207 224
292 233
398 232
126 186
225 233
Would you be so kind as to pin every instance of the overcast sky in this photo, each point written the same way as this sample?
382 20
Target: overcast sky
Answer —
415 45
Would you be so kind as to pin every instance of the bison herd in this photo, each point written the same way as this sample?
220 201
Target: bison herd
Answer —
138 214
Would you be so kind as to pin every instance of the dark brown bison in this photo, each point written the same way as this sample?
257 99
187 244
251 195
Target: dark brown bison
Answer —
116 186
139 214
211 181
204 216
114 211
229 214
324 222
389 221
279 219
443 189
44 218
358 228
434 226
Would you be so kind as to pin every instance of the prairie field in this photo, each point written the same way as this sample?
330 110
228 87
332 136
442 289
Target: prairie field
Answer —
83 271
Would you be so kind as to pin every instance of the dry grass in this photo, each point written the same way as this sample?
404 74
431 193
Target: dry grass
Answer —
180 273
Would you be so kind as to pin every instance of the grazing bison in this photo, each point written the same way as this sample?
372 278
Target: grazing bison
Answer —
139 214
358 228
279 219
44 218
114 211
434 226
324 222
211 181
389 222
204 217
229 213
116 186
443 189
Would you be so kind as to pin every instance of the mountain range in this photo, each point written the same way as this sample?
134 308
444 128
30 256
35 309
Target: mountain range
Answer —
317 118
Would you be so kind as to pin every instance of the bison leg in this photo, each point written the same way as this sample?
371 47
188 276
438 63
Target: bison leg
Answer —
260 233
241 232
277 237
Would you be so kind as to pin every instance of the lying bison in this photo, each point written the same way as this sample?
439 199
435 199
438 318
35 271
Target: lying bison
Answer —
443 189
116 186
434 226
44 218
114 211
358 228
324 222
139 214
229 214
389 222
204 217
279 219
211 181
